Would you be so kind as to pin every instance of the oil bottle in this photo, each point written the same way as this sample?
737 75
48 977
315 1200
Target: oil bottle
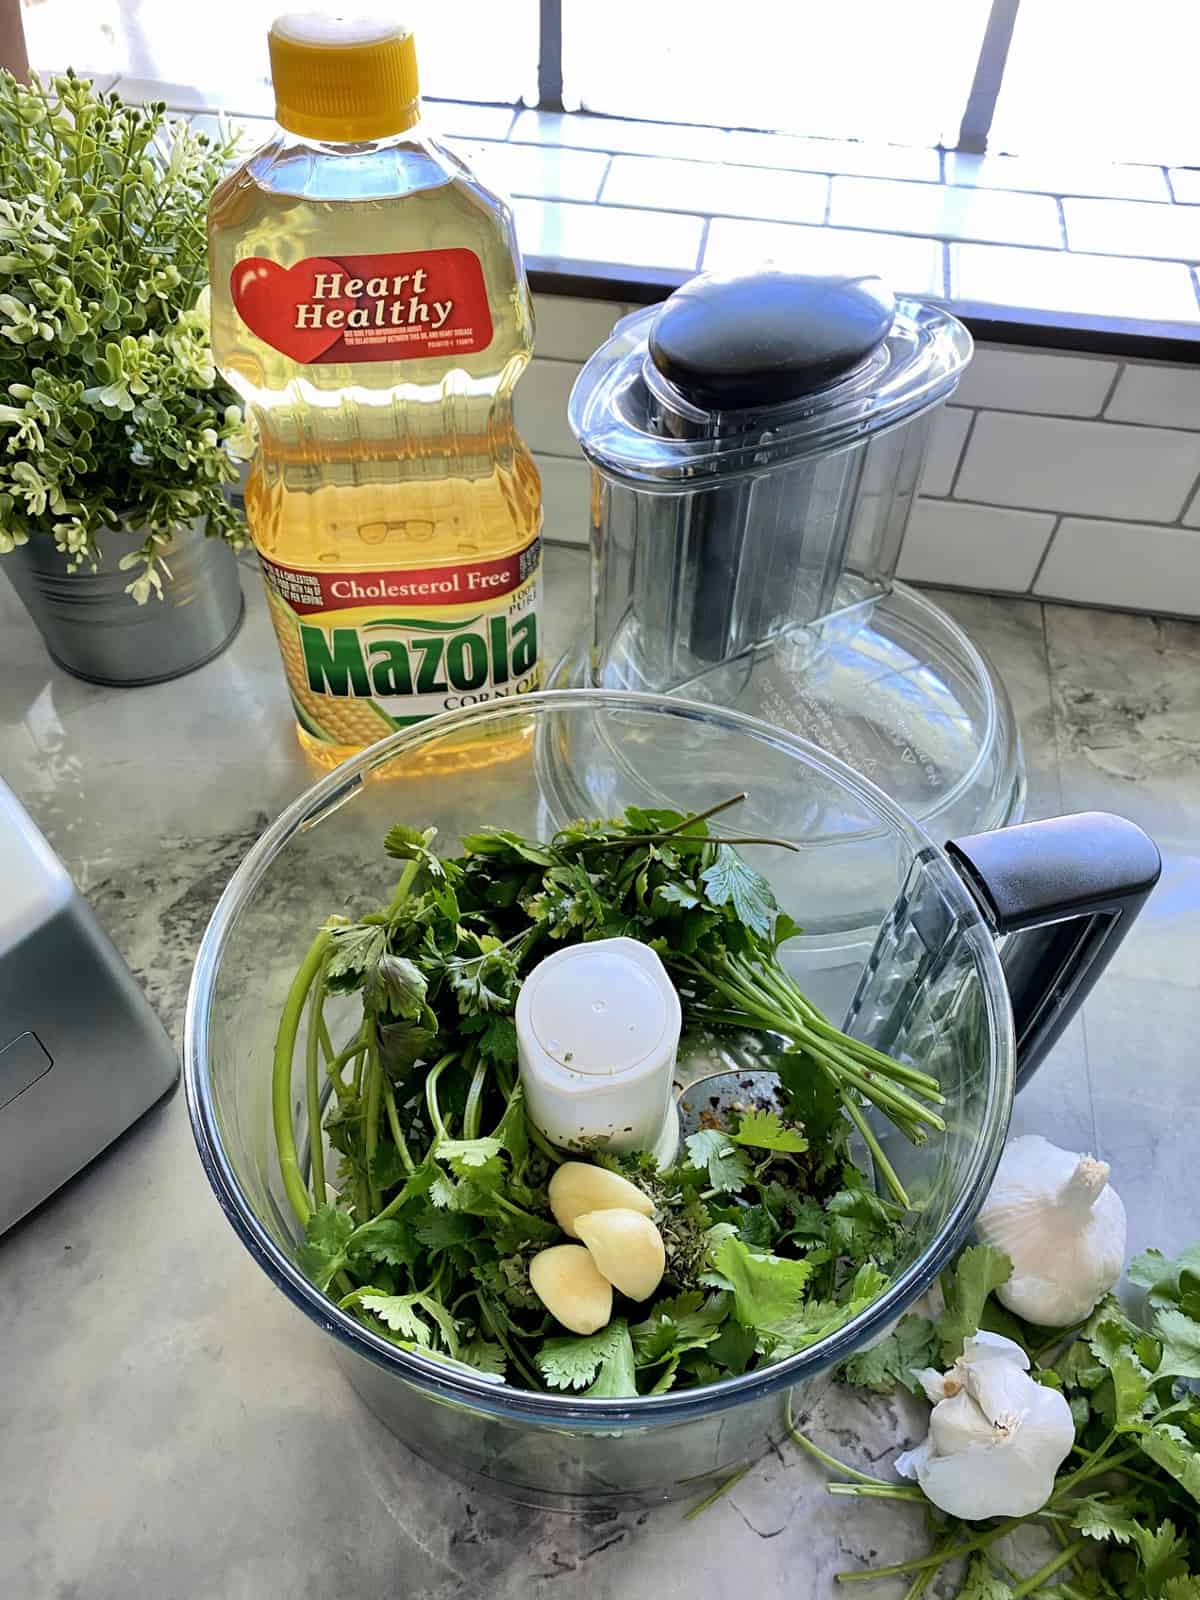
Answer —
370 308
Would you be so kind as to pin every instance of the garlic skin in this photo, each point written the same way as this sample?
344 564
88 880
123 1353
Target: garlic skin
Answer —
1062 1224
566 1281
578 1187
627 1249
996 1437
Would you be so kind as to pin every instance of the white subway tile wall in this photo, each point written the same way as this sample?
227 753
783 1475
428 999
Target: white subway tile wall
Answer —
566 498
946 210
974 547
708 188
946 440
910 266
1102 468
1028 380
1136 567
1068 476
1167 397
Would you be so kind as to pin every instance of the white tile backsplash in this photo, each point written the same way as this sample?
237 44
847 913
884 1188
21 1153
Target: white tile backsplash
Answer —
1057 175
566 491
456 119
945 447
1144 567
1100 468
1102 286
910 266
947 212
973 547
707 188
1168 397
532 169
1191 518
613 133
1133 228
1032 380
540 407
1185 184
614 235
833 155
571 330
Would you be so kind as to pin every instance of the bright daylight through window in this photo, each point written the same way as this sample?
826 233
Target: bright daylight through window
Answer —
1029 76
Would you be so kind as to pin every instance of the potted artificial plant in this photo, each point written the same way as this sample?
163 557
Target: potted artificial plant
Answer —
117 437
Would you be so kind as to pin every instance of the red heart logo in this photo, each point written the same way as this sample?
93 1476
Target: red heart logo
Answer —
268 299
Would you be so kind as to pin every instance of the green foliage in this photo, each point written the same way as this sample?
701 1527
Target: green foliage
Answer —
112 415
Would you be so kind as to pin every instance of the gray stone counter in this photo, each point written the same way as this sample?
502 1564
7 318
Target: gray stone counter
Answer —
171 1428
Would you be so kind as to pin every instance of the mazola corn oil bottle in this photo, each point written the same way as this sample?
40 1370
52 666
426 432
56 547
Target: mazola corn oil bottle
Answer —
370 308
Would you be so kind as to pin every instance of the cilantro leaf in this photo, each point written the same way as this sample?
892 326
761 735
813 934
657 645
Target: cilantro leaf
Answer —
391 1241
442 1230
396 984
500 843
1162 1554
978 1270
1180 1338
1109 1343
323 1253
616 1379
1170 1448
1104 1519
465 1154
403 1044
764 1130
766 1288
675 894
484 1356
911 1346
687 1322
354 952
407 844
1183 1587
572 1363
982 1584
497 1040
784 930
711 1150
732 880
418 1317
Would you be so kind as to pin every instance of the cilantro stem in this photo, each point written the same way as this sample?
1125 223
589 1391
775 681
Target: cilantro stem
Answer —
884 1167
374 1088
403 886
879 1491
389 1100
722 1488
539 1139
497 1333
316 1141
1038 1578
822 1456
431 1099
281 1076
474 1106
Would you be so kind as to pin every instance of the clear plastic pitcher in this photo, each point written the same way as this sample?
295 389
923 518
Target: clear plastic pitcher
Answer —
900 941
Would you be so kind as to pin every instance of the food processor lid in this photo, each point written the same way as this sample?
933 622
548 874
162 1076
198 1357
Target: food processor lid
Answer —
734 375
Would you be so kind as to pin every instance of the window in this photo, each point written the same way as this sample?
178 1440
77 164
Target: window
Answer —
1114 79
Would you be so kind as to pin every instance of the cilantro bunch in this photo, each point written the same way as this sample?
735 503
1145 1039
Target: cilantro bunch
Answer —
425 1232
1124 1511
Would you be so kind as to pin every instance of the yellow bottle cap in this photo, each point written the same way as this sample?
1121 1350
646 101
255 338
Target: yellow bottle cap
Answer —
343 79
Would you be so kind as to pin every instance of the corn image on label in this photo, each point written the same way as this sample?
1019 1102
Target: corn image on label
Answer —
367 652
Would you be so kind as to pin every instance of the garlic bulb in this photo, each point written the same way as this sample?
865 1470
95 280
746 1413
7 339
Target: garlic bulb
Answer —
1063 1227
996 1438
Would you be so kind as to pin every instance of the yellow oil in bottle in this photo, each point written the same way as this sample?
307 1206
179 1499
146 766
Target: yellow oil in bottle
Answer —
370 309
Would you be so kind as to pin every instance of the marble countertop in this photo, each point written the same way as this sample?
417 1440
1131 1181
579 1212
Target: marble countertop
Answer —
170 1427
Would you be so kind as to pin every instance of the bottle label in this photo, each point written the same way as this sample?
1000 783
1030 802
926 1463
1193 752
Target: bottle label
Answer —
367 652
394 307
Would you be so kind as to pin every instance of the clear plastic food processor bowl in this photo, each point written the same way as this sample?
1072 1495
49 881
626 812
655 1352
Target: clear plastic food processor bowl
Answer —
894 944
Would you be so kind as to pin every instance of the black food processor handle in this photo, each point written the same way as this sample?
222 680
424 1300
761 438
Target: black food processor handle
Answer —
1065 893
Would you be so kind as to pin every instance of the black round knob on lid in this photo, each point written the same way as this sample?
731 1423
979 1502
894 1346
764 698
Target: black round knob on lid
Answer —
730 344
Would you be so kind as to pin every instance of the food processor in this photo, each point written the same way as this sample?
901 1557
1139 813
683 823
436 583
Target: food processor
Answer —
756 444
965 961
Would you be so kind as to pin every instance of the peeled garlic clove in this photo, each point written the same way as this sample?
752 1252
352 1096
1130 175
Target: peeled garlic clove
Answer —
1056 1216
578 1187
627 1248
566 1281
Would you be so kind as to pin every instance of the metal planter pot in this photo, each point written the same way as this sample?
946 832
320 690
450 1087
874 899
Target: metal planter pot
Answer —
94 630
